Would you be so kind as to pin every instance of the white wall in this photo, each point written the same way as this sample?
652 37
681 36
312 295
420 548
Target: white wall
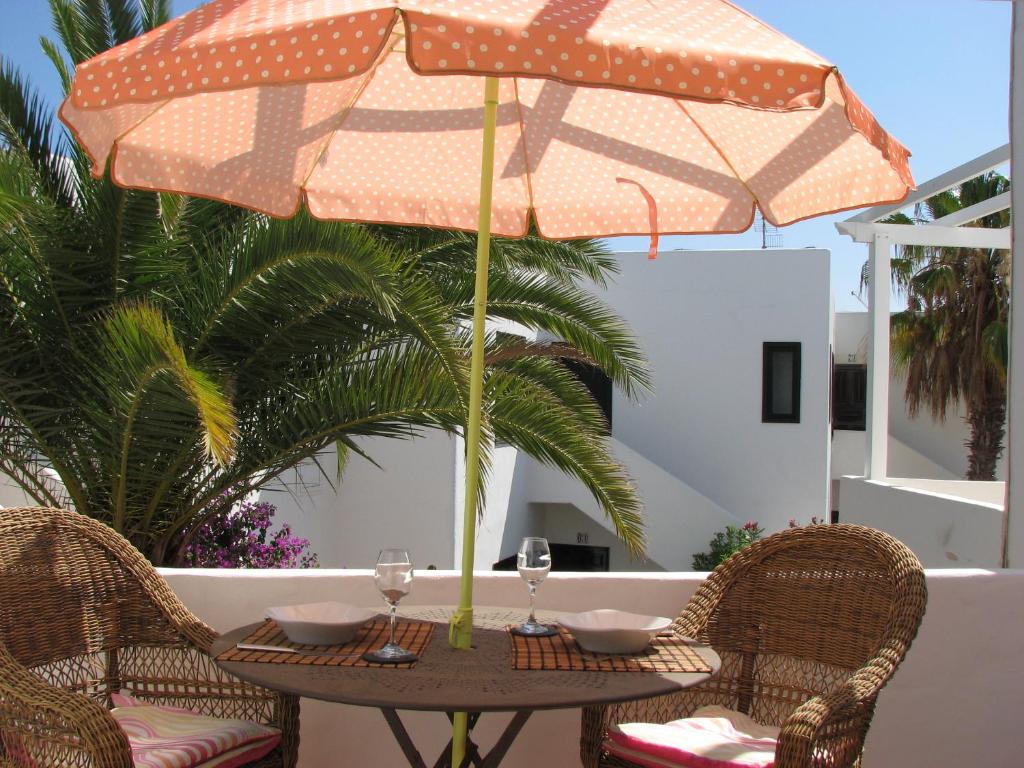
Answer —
679 521
955 702
565 523
405 502
702 317
941 443
943 530
848 459
509 514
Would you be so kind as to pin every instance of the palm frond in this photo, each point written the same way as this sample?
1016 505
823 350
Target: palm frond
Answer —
26 128
56 57
139 352
154 13
532 418
570 314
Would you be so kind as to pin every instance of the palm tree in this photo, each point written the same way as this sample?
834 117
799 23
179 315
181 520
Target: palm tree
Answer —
951 342
163 355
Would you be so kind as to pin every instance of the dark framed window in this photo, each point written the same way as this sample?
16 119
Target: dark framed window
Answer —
780 382
597 381
849 397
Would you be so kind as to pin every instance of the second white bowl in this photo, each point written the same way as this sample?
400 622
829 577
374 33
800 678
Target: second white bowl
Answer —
609 631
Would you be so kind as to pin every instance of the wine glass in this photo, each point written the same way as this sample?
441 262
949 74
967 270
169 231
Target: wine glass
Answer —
534 561
393 577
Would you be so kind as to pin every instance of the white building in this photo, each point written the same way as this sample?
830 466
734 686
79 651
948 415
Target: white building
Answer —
701 449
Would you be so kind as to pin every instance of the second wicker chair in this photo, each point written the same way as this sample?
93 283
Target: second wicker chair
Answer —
810 624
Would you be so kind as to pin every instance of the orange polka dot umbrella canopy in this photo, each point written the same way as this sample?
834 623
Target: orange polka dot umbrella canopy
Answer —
614 116
590 117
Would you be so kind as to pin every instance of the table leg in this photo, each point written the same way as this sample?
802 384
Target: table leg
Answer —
473 758
402 737
497 753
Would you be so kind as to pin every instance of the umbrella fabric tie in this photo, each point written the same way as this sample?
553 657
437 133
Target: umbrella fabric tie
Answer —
652 215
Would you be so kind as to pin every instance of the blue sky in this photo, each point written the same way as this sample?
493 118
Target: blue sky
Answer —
934 72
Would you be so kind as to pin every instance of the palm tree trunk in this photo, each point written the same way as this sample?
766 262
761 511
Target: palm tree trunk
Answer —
987 420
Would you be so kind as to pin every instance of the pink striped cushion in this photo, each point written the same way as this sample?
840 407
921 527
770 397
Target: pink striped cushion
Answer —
169 737
715 737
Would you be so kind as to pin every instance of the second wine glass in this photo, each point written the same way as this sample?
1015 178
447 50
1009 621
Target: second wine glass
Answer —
393 577
534 562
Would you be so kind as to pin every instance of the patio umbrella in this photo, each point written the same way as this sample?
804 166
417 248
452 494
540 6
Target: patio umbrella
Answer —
595 118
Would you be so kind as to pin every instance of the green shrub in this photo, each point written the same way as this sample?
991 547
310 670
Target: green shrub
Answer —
726 543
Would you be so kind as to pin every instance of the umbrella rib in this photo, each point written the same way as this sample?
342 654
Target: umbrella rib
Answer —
346 111
526 157
721 154
98 172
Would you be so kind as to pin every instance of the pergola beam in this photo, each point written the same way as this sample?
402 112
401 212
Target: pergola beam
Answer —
973 212
911 234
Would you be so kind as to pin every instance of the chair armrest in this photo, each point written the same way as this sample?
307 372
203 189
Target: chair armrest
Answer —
829 729
41 724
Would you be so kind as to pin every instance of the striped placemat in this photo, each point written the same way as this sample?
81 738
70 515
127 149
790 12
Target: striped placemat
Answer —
411 635
562 652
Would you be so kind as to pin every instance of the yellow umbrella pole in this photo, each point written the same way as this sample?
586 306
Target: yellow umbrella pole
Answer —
461 630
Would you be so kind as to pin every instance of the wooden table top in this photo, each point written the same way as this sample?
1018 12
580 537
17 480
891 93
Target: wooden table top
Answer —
449 680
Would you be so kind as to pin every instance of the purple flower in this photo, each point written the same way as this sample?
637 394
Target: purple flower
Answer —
240 537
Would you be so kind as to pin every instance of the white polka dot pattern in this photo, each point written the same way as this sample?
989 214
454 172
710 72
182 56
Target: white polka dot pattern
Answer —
701 49
324 102
232 44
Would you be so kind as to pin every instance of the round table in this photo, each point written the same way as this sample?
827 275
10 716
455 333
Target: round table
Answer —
449 680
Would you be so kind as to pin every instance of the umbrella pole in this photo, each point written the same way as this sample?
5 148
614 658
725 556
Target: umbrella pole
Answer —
461 629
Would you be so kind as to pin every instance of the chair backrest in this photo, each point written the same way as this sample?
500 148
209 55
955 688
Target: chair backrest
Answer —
794 614
70 587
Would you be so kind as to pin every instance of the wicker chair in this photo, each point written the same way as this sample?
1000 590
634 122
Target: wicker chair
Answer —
810 624
83 615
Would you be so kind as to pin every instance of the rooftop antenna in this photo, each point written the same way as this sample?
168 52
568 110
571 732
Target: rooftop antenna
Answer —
770 235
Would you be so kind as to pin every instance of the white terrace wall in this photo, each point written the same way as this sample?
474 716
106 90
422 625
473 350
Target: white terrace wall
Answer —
955 702
702 317
947 523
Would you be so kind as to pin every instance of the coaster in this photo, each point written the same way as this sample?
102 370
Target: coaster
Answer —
549 631
399 658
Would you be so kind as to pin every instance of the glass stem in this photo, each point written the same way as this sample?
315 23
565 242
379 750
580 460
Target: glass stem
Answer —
533 593
394 609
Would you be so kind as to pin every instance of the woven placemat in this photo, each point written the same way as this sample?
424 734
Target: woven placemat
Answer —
562 652
411 635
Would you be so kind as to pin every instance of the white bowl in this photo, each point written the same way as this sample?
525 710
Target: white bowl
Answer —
609 631
320 623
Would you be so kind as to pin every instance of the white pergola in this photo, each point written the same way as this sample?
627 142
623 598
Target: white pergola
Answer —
949 231
880 238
